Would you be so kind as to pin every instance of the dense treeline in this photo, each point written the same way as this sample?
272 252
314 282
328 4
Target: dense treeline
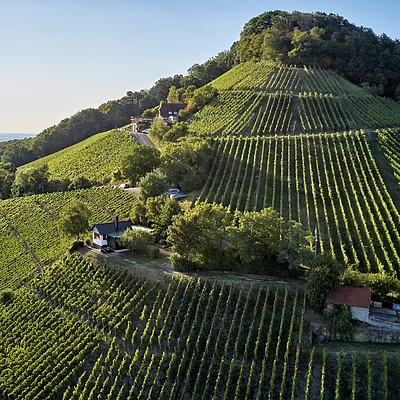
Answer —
327 41
112 114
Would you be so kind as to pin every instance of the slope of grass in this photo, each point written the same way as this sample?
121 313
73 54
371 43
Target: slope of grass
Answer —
95 158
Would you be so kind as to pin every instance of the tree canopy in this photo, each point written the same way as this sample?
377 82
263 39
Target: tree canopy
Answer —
324 40
74 219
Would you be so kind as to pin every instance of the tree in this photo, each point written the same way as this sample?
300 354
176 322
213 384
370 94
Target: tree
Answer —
6 181
197 235
341 322
74 219
173 95
142 160
153 184
138 211
6 295
158 129
255 237
31 181
322 278
186 162
201 97
160 212
137 240
177 130
296 245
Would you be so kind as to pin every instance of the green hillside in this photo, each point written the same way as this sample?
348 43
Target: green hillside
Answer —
266 99
95 158
95 333
28 228
328 182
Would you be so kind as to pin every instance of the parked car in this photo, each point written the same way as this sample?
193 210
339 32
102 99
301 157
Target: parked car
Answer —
106 249
177 196
174 191
124 186
146 131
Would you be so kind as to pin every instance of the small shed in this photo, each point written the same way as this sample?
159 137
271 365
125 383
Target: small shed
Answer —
358 299
170 111
108 233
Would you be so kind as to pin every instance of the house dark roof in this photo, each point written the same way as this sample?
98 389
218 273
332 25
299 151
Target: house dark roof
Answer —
173 108
350 296
106 229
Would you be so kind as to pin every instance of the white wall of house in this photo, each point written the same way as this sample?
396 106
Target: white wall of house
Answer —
360 313
99 241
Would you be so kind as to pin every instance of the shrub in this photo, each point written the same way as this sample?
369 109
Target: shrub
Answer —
6 295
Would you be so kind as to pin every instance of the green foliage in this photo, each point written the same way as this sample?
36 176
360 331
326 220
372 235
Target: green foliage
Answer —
201 97
155 212
143 159
6 295
6 180
323 40
28 227
197 235
296 246
153 184
264 98
32 180
137 240
308 177
323 276
186 163
158 129
74 219
95 159
255 237
340 322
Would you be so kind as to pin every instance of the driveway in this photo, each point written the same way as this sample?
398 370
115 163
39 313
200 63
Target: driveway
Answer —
142 138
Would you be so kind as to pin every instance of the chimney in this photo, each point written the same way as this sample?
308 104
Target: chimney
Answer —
116 223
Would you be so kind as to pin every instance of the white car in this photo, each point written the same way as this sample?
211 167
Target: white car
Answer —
124 186
146 131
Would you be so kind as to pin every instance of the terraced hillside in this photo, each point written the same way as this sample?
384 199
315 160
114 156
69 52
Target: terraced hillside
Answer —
328 182
28 228
264 99
95 158
95 333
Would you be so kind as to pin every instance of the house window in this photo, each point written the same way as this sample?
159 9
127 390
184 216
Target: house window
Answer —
104 237
96 236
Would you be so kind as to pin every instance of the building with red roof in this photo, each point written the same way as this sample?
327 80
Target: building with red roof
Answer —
358 299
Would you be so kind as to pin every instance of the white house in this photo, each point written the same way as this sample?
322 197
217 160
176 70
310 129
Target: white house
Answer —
108 233
358 299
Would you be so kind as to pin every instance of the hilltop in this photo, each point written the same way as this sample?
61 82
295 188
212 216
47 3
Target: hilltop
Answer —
266 99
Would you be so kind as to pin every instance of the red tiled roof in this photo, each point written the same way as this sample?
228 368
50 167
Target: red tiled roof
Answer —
350 296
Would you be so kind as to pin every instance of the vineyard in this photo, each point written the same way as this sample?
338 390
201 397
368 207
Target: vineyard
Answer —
28 228
108 335
328 182
258 99
389 140
95 158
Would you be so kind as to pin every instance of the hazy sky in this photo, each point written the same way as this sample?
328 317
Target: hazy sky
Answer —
61 56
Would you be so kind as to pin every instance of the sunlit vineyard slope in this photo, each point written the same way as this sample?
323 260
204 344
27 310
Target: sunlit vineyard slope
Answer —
329 182
95 158
28 228
264 99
